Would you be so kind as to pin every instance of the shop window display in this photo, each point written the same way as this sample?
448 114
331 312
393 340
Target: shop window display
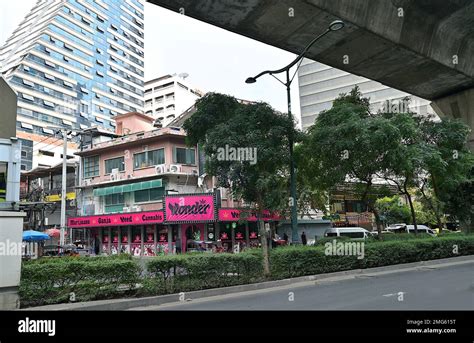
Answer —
226 236
149 244
136 241
162 244
253 235
124 247
114 248
105 241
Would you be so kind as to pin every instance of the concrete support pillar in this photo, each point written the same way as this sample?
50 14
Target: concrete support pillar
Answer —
11 232
458 106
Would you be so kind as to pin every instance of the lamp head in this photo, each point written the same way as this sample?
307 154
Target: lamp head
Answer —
251 80
336 25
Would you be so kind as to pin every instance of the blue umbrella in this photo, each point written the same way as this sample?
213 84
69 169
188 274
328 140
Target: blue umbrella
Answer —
34 236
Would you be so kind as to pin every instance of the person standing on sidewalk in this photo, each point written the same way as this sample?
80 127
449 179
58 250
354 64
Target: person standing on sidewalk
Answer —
178 245
303 238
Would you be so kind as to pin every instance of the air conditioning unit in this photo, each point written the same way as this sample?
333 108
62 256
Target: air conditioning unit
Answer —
175 168
136 209
126 209
115 175
160 169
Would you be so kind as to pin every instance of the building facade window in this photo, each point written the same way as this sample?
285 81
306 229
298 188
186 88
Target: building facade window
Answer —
91 166
184 155
146 195
149 158
114 203
114 163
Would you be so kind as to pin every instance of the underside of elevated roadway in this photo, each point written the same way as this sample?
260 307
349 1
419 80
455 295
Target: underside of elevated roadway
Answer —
422 47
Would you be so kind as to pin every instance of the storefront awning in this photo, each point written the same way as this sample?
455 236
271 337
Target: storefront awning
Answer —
131 187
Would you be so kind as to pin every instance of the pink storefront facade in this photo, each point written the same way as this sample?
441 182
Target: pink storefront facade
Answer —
185 220
145 192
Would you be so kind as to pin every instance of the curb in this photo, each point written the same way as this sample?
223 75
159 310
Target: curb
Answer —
125 304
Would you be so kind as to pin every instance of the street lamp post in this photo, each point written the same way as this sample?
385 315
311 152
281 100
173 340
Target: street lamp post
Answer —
64 133
334 26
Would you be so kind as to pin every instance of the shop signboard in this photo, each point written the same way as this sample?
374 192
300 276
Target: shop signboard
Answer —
154 217
190 208
234 214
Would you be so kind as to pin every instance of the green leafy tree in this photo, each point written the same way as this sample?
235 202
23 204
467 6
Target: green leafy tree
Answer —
448 185
403 162
346 143
221 121
393 210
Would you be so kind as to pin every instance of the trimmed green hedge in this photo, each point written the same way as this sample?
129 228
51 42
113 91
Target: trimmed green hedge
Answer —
178 273
402 236
84 279
49 281
300 261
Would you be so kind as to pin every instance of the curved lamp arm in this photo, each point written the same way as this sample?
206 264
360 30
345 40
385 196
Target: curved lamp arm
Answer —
332 27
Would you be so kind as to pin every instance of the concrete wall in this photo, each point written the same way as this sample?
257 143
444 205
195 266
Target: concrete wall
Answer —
128 124
459 106
11 229
8 107
129 152
10 152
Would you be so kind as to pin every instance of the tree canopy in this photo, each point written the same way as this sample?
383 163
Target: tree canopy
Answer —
226 128
350 143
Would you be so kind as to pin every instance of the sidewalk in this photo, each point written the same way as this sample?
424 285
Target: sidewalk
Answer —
124 304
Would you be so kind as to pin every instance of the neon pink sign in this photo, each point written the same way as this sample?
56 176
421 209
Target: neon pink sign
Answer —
233 214
190 208
155 217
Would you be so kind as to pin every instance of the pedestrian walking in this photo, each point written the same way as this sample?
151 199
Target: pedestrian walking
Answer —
178 245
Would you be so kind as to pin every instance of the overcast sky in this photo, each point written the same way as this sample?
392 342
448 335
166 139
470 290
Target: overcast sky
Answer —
215 59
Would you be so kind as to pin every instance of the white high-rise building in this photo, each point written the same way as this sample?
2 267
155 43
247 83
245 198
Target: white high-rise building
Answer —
167 97
320 84
74 64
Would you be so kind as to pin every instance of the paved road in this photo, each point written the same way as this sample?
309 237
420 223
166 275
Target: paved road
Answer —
428 288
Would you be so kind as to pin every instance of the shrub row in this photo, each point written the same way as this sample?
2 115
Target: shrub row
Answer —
78 279
300 261
178 273
402 236
51 281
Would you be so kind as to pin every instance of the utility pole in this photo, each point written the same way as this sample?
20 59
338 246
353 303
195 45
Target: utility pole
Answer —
334 26
63 189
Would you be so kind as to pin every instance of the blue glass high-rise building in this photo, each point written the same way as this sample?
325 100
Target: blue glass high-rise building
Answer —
76 64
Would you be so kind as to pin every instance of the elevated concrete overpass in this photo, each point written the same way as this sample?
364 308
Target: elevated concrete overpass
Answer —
423 47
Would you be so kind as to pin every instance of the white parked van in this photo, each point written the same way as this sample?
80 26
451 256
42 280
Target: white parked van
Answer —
351 232
420 229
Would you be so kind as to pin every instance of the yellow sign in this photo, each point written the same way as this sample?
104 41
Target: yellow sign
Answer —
57 197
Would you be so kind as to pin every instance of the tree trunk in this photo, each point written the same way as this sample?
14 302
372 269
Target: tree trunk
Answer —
371 207
264 241
433 208
378 223
436 192
412 209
